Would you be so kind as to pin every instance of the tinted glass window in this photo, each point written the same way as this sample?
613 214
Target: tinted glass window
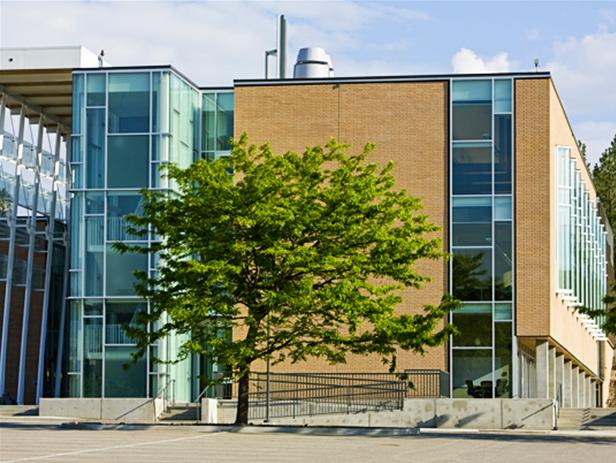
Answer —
472 274
502 154
129 103
127 161
472 221
472 110
503 259
472 168
474 323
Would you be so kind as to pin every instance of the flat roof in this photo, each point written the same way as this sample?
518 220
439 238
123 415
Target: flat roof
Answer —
387 79
43 91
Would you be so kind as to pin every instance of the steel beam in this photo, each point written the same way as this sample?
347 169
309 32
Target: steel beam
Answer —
30 264
11 252
48 268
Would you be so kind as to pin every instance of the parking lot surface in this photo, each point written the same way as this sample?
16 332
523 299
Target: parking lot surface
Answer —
50 443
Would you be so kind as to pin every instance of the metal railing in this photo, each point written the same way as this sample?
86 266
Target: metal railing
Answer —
427 384
308 394
222 390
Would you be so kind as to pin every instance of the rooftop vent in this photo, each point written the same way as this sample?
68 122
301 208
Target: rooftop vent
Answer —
313 63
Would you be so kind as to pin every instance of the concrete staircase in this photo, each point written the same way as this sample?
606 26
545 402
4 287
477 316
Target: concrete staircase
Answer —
188 412
603 419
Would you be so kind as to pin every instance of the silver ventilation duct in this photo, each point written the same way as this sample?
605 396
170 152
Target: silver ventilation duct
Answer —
313 63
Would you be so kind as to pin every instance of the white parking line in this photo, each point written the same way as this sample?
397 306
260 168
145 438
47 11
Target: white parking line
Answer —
102 449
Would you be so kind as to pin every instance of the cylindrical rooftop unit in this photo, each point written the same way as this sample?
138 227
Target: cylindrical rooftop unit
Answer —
313 63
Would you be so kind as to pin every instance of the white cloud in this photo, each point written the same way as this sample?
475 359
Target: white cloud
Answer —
211 42
467 61
584 70
596 135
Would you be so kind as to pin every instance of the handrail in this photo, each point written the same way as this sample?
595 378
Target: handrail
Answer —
165 388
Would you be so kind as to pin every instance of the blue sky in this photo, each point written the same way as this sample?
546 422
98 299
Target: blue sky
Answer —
215 42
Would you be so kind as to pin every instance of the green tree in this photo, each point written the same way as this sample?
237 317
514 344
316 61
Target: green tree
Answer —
604 177
582 148
608 313
299 255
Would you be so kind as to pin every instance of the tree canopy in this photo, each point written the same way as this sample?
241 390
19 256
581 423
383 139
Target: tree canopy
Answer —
604 178
299 255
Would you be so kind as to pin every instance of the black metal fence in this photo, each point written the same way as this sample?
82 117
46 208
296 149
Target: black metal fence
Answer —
427 384
308 394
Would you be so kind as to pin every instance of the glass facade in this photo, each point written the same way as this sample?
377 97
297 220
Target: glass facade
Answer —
126 126
581 237
217 124
482 266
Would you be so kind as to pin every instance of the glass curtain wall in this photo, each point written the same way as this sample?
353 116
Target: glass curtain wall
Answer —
127 125
582 238
217 124
481 227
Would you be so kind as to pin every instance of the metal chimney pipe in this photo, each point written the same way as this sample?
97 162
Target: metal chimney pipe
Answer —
281 45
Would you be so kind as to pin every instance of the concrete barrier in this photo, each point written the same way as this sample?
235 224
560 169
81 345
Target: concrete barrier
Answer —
535 414
144 410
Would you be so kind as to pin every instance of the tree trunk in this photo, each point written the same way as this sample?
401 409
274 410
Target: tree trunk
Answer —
242 400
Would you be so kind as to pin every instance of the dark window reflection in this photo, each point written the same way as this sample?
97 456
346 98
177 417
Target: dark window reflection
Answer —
472 168
472 274
502 153
503 260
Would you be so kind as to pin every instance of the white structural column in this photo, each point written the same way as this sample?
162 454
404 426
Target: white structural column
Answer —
559 373
567 390
543 367
581 389
575 395
50 234
552 383
11 250
591 389
31 228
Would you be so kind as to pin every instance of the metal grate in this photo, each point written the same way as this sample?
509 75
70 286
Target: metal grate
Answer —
427 384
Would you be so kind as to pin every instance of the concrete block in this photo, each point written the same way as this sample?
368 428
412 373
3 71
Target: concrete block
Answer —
536 414
71 408
209 411
468 413
138 409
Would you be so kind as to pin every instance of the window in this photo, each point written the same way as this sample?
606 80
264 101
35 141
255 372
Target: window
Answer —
503 261
120 271
118 315
121 381
472 110
472 373
120 204
95 148
472 274
474 322
127 161
92 357
472 168
503 163
472 221
96 90
129 103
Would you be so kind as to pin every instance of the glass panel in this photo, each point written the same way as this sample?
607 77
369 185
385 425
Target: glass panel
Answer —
129 103
117 315
74 336
502 96
209 121
502 154
76 149
95 233
75 283
95 148
77 232
502 208
502 359
119 204
78 91
472 274
92 358
502 311
472 221
472 373
127 158
120 268
95 203
96 89
224 121
472 168
74 385
93 307
472 110
474 323
155 101
121 381
503 261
